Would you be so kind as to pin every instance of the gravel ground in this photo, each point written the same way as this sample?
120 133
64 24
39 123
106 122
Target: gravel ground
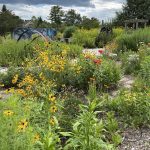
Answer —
136 139
3 95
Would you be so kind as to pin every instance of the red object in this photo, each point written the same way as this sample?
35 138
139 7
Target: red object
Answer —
100 51
97 61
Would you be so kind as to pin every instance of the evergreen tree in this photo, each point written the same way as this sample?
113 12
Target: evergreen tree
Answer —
4 9
8 21
89 23
56 16
72 18
139 9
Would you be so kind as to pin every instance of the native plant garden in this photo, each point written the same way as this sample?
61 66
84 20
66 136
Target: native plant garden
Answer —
60 97
55 96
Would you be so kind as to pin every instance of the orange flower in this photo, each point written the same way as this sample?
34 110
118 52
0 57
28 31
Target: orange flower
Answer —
97 61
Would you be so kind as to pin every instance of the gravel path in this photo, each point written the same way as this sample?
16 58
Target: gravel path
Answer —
136 139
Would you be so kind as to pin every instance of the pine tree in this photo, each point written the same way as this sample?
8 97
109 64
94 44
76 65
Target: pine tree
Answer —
4 9
56 16
139 9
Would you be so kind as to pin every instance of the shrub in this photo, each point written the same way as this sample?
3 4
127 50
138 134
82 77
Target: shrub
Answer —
107 74
132 107
145 70
130 62
69 31
118 31
130 41
85 38
102 39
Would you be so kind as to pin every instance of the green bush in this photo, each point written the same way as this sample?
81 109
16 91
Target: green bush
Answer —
69 31
132 107
85 38
107 74
145 70
130 62
102 39
130 41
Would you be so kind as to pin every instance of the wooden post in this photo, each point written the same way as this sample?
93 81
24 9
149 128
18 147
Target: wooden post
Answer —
137 25
145 24
125 25
133 26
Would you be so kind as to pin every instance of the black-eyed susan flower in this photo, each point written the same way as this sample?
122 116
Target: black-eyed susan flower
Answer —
22 125
52 121
53 109
8 112
51 97
36 137
15 79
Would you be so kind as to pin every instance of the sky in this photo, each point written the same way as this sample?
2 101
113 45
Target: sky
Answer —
101 9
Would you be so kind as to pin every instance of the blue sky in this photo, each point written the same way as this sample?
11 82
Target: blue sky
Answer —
101 9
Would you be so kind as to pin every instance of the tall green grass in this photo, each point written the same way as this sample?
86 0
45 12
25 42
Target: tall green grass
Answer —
130 41
13 53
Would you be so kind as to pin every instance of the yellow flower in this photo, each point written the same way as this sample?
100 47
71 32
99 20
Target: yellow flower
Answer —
22 125
8 113
51 97
52 121
28 88
21 92
1 85
36 137
53 109
15 79
42 76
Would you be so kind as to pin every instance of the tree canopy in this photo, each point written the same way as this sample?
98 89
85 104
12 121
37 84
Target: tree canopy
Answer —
8 21
139 9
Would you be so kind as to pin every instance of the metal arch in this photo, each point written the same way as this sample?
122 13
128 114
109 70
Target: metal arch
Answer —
45 33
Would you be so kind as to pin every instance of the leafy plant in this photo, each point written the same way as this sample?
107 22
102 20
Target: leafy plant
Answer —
132 107
85 38
145 71
88 130
130 41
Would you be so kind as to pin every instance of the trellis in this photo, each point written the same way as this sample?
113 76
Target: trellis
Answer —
135 23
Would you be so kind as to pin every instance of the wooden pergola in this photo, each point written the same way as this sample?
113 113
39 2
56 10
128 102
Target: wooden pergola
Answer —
135 23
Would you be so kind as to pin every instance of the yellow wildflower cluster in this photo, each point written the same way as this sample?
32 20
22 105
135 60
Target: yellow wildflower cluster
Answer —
15 79
130 97
52 121
28 79
57 63
43 58
21 92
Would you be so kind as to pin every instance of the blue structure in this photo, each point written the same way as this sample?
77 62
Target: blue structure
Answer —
26 33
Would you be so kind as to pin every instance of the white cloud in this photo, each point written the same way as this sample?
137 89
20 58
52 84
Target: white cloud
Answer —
102 10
